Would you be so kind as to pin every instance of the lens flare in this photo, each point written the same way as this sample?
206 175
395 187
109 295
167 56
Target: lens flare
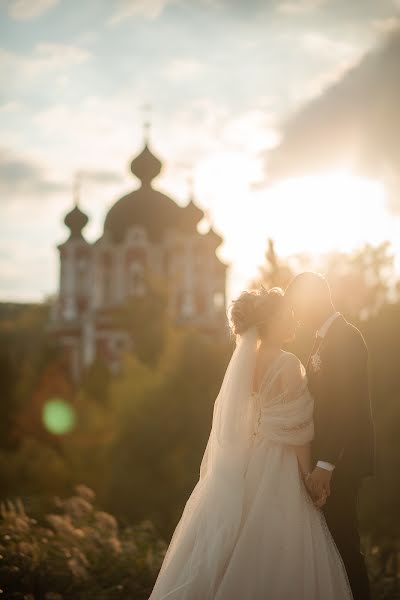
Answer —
58 416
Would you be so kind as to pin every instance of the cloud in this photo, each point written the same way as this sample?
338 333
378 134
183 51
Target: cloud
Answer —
21 178
322 45
337 56
13 106
46 69
19 72
147 9
353 122
299 6
179 69
387 24
102 176
24 10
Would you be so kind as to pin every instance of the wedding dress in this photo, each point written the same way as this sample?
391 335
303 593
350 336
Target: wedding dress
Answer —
249 530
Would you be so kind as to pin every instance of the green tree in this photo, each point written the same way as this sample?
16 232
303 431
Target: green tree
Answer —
165 423
146 320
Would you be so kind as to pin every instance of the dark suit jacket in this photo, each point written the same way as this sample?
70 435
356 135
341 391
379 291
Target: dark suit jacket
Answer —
344 432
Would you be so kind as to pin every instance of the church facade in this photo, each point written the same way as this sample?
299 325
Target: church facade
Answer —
146 233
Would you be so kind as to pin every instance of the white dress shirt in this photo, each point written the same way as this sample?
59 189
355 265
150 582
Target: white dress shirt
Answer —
322 331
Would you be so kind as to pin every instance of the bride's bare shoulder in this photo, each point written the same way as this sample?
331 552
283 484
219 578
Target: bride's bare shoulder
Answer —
292 362
290 357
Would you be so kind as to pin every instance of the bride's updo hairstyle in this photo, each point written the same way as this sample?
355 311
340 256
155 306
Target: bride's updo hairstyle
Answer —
255 307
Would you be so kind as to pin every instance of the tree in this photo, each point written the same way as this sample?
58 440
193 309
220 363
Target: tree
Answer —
165 416
275 272
362 281
145 318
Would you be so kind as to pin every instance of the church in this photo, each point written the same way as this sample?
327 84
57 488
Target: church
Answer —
146 233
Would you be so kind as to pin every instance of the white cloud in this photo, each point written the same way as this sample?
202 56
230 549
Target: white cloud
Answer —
337 57
23 179
299 6
24 10
148 9
387 25
183 68
252 131
44 59
320 83
13 106
327 47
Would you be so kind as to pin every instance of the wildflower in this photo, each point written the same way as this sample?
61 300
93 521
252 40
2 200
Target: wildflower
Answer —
62 524
25 548
79 533
114 545
85 492
80 556
77 507
77 569
21 524
106 522
20 507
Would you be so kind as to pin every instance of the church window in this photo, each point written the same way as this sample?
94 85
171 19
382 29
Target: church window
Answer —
136 279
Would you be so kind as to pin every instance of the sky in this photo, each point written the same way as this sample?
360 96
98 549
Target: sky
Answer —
250 106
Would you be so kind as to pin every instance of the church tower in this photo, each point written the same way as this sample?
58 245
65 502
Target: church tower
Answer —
74 264
145 233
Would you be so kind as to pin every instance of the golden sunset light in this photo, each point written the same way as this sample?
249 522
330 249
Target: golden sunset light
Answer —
199 299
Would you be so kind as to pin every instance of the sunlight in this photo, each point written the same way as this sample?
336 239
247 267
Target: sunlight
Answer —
335 211
306 215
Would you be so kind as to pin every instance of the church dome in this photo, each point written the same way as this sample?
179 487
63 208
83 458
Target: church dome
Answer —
146 166
155 211
213 238
191 215
148 207
76 220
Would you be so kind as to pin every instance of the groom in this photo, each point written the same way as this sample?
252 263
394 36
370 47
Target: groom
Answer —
343 448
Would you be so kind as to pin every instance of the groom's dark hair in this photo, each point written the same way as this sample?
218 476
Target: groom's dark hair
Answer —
310 283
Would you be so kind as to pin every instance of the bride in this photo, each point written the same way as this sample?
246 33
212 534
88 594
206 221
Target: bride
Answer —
249 530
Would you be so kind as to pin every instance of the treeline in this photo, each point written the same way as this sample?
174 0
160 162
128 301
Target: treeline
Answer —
139 435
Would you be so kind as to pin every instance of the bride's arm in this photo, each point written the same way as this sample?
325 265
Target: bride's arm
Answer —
303 454
291 412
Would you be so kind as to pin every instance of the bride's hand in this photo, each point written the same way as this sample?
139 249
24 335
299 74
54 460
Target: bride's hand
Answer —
318 499
319 503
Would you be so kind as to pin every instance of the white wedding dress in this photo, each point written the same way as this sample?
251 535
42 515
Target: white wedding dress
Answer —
249 530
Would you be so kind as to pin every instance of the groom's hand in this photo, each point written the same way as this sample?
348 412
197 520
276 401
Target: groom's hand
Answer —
319 485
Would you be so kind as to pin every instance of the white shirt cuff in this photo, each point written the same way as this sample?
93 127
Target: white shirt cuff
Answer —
325 465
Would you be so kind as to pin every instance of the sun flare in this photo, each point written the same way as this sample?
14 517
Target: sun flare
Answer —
335 211
309 215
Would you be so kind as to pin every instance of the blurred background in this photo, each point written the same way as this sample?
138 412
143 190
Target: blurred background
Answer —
156 158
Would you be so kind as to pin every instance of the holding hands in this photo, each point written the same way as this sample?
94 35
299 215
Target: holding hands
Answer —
318 484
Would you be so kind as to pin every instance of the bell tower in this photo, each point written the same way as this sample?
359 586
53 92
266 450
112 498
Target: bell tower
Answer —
74 263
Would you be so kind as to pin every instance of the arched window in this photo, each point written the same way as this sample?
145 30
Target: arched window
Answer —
136 283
